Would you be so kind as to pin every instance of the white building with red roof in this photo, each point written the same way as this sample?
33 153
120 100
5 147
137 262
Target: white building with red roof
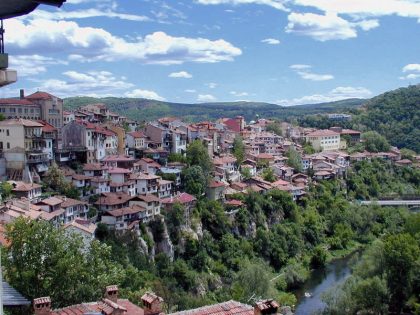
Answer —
324 140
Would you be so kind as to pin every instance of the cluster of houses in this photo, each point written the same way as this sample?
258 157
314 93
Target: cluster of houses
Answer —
123 171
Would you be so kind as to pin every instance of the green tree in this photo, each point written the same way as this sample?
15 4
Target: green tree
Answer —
253 281
268 175
294 159
5 190
400 254
194 180
374 142
275 128
45 261
239 149
246 172
197 155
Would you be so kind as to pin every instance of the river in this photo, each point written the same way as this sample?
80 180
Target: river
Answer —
320 281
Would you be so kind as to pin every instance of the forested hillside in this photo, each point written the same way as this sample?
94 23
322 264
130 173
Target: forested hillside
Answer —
143 109
395 115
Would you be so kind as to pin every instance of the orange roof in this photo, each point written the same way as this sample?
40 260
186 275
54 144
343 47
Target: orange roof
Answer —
40 96
15 101
226 308
322 133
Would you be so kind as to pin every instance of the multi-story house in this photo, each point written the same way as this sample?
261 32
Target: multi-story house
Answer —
31 192
88 142
136 140
179 141
120 219
226 165
24 148
151 203
147 165
175 172
72 208
146 183
39 105
324 140
68 117
100 185
121 137
112 201
165 188
51 107
19 108
95 170
118 160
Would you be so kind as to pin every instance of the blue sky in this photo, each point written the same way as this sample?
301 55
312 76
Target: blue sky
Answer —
280 51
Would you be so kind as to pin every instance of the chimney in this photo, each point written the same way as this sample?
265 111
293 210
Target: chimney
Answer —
22 94
152 304
111 293
266 307
42 306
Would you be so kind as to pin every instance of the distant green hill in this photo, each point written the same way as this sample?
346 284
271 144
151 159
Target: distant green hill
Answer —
143 109
396 115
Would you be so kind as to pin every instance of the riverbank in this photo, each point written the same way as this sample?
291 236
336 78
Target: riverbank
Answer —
320 281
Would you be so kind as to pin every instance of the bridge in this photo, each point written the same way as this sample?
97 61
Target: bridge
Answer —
392 203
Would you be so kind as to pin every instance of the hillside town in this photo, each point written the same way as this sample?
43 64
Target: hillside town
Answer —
87 167
127 173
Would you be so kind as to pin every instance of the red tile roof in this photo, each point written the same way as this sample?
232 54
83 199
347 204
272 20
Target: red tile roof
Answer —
226 308
137 134
15 101
118 170
103 307
127 210
47 127
182 198
21 186
118 158
234 202
93 167
40 96
113 199
215 184
322 133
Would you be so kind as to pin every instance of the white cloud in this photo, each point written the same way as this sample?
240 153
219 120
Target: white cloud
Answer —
88 13
411 76
138 93
206 98
326 27
181 74
300 67
304 71
94 44
190 91
211 85
91 83
238 94
412 67
277 4
366 8
337 94
32 65
271 41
